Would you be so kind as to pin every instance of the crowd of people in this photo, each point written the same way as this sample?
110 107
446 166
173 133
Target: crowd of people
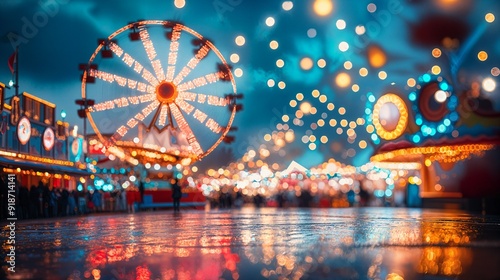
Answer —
43 201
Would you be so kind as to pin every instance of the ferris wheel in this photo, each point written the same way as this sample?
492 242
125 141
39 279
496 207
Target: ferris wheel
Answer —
161 91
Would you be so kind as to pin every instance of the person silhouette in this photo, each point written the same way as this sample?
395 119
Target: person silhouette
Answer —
176 195
141 192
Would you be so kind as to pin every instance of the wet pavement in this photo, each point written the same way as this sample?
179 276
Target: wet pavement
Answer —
268 243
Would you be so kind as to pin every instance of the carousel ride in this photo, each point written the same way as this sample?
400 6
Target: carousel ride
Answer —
163 94
445 119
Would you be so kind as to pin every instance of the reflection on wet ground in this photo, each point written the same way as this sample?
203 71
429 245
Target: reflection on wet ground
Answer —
368 243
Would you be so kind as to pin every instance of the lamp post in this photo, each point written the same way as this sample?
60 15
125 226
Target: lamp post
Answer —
84 103
63 117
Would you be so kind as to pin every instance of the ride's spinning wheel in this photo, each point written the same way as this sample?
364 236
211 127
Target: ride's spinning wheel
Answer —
162 92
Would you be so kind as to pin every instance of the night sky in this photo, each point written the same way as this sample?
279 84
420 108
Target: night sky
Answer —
55 36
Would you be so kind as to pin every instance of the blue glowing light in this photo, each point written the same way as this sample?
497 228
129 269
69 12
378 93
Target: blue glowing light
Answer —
447 122
444 86
412 96
98 182
418 120
374 137
454 116
416 139
379 193
441 128
388 192
426 78
368 111
371 98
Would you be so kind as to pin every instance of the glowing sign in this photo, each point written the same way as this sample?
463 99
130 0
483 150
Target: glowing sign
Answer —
24 130
390 116
48 138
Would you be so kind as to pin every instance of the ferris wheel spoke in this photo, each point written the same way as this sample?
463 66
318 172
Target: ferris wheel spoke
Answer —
122 102
173 52
213 126
121 81
151 52
204 98
185 107
193 62
132 122
201 81
132 62
210 123
184 127
164 113
199 115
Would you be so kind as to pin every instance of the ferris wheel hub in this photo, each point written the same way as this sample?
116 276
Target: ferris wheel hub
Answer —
166 92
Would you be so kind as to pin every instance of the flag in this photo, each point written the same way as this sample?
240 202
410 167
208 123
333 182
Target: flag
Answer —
12 61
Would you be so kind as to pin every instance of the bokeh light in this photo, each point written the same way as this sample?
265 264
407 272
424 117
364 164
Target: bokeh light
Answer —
273 44
238 72
489 84
371 7
436 52
270 21
321 63
311 33
343 46
489 17
323 7
436 70
340 24
180 4
482 55
235 58
382 75
440 96
363 72
240 40
280 63
287 5
306 63
411 82
360 30
495 71
343 80
376 56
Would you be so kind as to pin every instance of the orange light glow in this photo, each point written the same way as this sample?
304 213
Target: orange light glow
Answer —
343 80
306 63
323 7
376 56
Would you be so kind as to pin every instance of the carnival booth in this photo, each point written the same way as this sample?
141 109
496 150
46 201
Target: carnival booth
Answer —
36 147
